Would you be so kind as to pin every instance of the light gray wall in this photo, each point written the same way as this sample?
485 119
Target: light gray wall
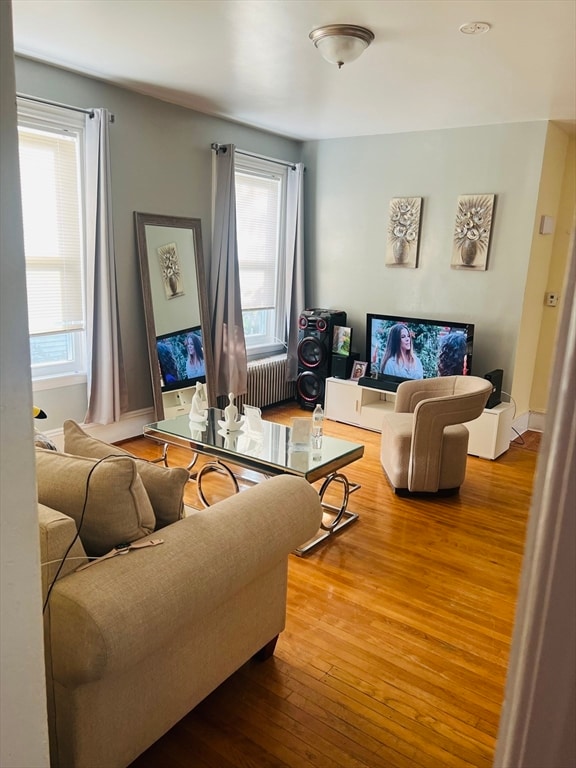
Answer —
349 186
161 163
23 724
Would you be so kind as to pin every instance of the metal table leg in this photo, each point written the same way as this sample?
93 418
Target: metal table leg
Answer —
214 466
331 524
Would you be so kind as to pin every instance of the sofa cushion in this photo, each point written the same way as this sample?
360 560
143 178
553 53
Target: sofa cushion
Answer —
164 486
106 498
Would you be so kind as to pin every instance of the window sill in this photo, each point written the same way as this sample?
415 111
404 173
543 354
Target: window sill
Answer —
258 353
57 382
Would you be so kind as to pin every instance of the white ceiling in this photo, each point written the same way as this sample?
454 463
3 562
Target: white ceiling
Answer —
252 60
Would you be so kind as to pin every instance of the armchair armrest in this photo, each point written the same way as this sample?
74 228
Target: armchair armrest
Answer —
431 416
129 606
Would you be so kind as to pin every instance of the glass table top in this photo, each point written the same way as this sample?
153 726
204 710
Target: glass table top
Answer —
267 450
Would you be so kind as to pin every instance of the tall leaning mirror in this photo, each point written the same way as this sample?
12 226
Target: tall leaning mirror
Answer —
174 291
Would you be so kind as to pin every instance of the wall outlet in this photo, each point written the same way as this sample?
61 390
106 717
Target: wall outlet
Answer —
551 299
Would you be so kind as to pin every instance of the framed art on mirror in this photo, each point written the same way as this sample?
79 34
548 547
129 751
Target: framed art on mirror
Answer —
171 270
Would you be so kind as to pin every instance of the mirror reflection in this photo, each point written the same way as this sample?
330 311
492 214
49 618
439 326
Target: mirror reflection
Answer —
176 312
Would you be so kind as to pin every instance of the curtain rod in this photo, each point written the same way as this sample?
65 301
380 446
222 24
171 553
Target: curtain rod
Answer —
89 112
216 147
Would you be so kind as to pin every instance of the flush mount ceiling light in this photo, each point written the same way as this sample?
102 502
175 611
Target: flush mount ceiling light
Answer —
474 28
341 43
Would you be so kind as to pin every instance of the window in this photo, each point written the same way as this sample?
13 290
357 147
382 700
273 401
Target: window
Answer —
260 221
51 149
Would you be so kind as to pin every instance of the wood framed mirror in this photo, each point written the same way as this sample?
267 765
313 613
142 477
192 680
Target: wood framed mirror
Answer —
174 291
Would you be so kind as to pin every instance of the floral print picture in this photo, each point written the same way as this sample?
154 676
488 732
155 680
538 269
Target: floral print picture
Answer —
171 273
403 232
472 232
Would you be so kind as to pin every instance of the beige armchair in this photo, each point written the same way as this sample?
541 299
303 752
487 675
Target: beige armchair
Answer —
424 441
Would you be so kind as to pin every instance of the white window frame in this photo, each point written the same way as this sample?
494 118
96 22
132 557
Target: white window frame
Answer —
58 120
273 340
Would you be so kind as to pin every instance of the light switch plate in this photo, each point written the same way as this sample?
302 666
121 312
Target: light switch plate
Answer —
546 225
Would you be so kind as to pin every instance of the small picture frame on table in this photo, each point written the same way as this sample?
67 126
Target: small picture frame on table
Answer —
358 370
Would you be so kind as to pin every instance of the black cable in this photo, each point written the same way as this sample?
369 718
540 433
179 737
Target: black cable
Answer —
77 535
519 437
511 400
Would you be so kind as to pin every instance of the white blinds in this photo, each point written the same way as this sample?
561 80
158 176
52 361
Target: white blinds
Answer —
50 176
258 214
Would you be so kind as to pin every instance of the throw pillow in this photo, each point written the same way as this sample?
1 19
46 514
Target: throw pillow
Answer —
117 507
164 485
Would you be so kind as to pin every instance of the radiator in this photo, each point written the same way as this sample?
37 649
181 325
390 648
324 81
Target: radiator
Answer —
267 384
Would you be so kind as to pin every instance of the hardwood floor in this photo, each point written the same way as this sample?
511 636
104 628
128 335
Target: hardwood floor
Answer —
397 636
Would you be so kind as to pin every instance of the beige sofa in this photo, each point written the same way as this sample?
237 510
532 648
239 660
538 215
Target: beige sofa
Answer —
134 642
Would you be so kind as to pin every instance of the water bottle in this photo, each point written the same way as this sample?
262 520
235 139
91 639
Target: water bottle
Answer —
317 423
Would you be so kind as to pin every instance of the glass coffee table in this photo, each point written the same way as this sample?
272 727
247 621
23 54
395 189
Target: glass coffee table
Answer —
267 452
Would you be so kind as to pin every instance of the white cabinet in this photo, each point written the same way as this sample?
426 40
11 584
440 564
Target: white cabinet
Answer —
362 406
490 433
178 402
347 401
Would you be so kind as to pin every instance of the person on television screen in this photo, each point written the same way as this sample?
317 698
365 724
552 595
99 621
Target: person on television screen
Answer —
168 367
194 356
399 358
452 355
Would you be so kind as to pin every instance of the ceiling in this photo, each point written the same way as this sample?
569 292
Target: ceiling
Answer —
252 61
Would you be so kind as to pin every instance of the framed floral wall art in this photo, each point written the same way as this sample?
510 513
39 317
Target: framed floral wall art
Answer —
171 272
403 232
472 232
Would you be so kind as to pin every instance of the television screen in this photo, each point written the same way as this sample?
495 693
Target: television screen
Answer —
400 348
181 358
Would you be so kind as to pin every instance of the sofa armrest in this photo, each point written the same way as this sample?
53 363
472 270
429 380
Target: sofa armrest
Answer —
57 531
120 610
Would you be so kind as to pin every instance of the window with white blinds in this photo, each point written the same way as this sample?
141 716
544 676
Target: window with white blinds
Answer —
260 223
51 159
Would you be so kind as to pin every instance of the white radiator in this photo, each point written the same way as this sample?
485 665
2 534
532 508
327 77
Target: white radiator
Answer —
267 384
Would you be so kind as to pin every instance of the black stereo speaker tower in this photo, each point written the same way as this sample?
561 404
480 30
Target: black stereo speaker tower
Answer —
315 334
495 378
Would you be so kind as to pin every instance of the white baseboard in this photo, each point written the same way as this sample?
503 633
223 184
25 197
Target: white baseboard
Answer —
537 421
520 424
532 420
130 425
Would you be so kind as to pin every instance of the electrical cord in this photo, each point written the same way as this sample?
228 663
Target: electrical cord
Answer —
69 559
76 536
511 400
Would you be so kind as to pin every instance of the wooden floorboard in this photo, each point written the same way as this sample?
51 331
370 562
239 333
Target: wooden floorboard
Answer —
397 635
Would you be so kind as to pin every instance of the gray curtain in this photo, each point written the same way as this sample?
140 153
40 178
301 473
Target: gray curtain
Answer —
106 385
294 264
229 345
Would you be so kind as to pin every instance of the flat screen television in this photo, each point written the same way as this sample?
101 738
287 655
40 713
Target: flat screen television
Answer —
400 348
181 358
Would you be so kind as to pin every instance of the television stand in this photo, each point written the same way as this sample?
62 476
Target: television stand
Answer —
177 402
362 406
